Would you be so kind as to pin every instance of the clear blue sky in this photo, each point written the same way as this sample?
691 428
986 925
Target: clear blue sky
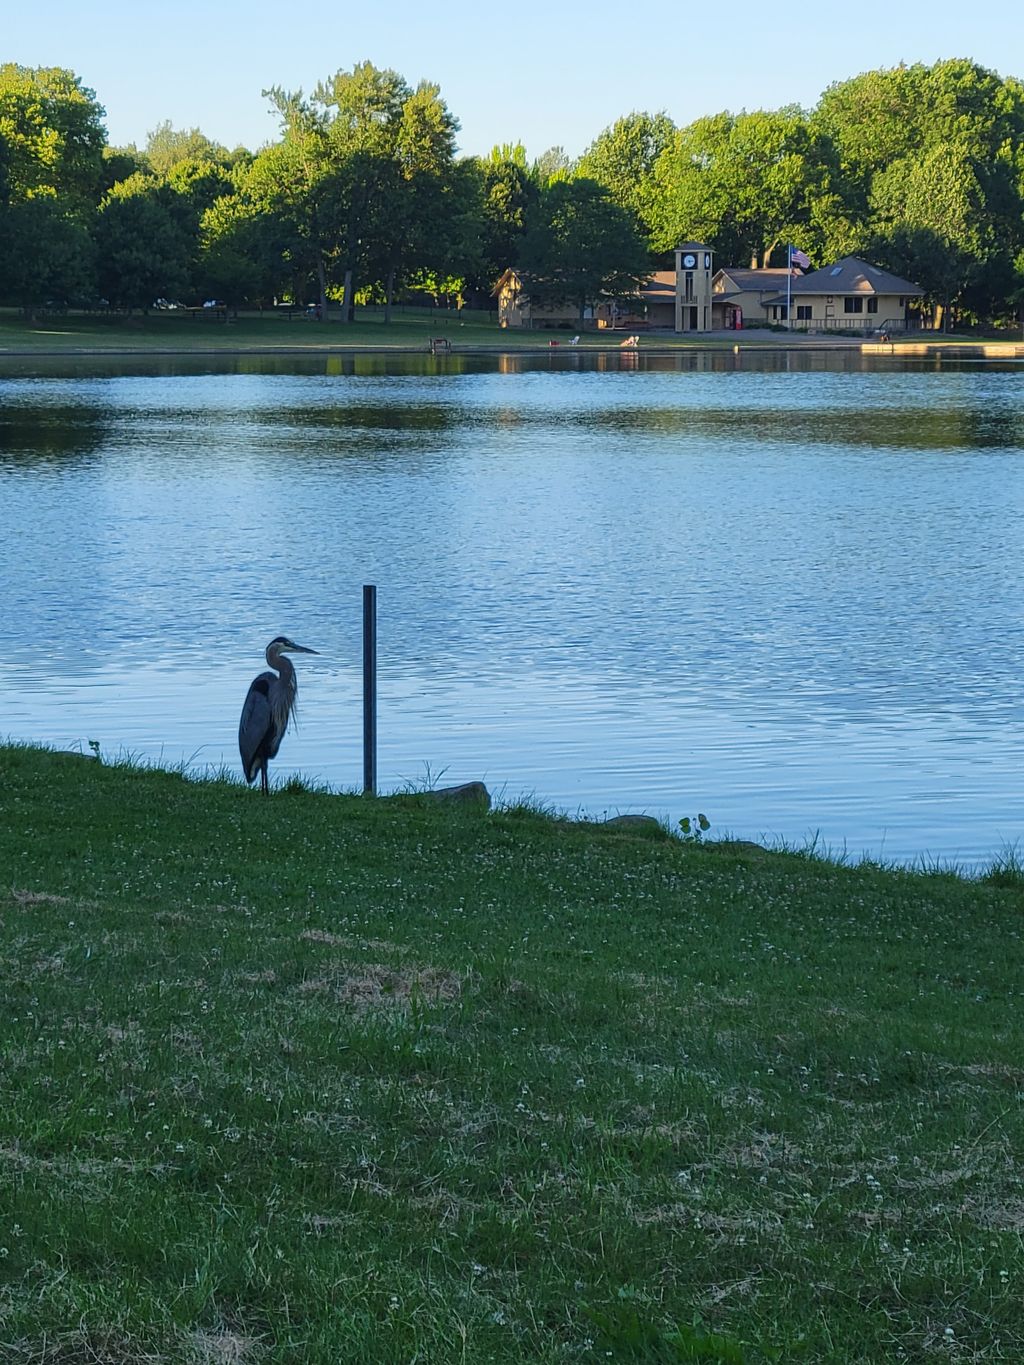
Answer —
546 72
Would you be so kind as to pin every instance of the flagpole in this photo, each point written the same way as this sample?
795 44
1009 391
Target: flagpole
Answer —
789 288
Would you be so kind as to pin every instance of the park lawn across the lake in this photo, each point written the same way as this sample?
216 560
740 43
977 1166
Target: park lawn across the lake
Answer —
320 1078
183 331
186 330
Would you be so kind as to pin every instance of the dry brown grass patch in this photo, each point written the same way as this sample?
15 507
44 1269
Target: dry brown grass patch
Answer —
1002 1216
37 898
268 977
77 1351
221 1348
373 985
375 945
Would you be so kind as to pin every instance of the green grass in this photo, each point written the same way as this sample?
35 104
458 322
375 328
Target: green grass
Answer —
323 1079
179 332
173 331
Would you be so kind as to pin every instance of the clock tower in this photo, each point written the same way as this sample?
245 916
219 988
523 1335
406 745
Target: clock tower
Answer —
693 287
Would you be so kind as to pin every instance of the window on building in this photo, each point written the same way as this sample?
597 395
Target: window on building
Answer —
688 282
803 312
853 305
873 304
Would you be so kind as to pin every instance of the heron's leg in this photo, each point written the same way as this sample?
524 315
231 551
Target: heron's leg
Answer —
264 784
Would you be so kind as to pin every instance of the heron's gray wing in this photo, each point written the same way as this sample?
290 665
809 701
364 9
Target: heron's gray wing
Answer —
255 725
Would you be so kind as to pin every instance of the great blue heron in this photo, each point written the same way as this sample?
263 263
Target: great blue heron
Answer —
268 708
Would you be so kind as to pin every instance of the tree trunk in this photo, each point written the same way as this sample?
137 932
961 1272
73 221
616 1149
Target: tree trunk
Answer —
346 297
350 295
389 291
321 276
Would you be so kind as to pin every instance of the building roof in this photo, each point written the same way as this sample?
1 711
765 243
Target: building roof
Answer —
659 287
511 277
852 276
746 280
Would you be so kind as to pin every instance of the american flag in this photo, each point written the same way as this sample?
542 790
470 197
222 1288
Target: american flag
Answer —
799 258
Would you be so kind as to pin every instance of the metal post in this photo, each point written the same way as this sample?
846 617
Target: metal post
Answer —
369 689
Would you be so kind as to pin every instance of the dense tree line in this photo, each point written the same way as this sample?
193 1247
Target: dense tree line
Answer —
363 197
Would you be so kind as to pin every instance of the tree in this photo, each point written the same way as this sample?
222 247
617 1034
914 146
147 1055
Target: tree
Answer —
872 121
931 221
237 258
1016 292
286 189
52 128
142 247
553 164
582 245
508 196
51 150
47 254
623 157
166 146
119 163
744 181
363 173
691 200
960 222
422 217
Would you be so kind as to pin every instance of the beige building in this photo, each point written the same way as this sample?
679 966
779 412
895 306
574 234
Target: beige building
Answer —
517 309
850 296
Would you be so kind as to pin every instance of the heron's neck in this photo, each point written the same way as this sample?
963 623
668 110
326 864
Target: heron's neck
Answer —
284 666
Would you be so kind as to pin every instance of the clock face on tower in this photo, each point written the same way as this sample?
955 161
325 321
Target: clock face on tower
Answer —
689 261
707 260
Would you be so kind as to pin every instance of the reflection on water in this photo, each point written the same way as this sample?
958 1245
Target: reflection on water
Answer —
781 588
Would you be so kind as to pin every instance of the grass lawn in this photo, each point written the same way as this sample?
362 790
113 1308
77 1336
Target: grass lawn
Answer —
179 331
325 1079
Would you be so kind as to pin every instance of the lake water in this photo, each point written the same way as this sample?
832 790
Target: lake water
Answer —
781 589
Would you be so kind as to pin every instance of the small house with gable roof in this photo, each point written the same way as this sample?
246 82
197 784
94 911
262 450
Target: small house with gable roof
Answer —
738 296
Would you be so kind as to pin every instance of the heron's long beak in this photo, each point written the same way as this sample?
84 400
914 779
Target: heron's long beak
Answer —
301 649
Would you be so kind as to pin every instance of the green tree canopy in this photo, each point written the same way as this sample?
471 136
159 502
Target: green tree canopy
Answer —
142 246
582 245
166 146
47 254
622 159
930 217
744 181
508 195
52 130
362 174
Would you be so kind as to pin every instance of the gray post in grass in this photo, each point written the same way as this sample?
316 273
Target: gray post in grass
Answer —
369 689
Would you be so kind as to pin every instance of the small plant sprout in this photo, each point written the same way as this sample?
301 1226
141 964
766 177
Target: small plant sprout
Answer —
694 828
